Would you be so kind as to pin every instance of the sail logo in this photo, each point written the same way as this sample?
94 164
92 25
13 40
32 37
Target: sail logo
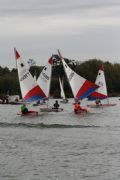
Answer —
45 76
71 76
25 76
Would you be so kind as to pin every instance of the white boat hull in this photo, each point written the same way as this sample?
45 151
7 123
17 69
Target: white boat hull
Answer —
51 109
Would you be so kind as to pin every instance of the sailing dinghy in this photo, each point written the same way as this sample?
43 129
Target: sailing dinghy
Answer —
101 92
29 89
29 113
80 86
44 82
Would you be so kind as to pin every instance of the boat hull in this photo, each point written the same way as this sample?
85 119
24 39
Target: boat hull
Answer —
29 113
81 112
39 104
100 105
64 102
57 110
51 110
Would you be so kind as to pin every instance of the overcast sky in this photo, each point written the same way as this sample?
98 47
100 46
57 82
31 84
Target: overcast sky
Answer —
81 29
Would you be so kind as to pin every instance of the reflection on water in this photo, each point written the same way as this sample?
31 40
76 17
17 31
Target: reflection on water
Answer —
60 146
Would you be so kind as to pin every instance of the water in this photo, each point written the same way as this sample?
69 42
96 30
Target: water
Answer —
60 146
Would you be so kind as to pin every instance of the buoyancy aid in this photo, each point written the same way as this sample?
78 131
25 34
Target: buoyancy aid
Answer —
77 106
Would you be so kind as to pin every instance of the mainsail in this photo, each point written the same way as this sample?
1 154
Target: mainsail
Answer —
81 87
29 89
101 92
44 79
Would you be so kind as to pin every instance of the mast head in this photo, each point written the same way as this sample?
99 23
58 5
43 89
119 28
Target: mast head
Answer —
50 60
17 56
101 67
60 55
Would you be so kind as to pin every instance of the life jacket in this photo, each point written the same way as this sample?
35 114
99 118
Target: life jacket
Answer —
77 106
24 109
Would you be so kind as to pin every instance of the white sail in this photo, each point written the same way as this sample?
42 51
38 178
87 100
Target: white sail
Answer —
29 89
35 78
101 92
44 79
81 87
62 91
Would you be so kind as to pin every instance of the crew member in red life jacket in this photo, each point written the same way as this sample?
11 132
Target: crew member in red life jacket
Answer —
78 108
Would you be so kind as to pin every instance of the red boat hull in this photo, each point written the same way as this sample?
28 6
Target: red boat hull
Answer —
29 113
100 105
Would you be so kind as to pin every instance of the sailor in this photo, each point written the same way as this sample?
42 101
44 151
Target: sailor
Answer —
24 109
78 108
56 105
97 102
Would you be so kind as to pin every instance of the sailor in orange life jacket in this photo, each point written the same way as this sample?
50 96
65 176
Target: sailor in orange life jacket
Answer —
78 108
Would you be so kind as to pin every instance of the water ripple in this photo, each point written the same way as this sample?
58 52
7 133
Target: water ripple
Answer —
42 125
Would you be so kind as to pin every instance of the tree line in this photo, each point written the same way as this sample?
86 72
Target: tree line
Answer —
9 83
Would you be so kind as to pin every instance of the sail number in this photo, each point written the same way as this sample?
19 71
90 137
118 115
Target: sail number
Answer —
24 76
45 76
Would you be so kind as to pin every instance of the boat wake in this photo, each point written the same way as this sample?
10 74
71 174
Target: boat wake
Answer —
42 125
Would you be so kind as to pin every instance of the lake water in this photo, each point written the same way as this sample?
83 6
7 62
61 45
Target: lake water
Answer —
60 146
